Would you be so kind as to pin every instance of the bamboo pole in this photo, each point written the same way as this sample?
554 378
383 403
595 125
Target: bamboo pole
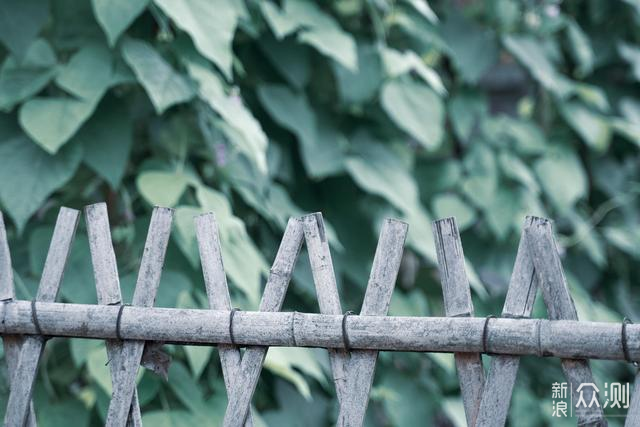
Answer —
557 338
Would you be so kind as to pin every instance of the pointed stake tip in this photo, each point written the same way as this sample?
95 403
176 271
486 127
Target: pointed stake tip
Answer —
531 220
163 208
312 216
95 207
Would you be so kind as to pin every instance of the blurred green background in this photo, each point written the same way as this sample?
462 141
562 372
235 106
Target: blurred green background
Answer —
362 109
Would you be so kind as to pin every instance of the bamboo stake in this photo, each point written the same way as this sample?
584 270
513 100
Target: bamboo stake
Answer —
144 295
496 397
324 280
272 300
12 343
555 292
457 302
382 280
105 271
215 282
32 347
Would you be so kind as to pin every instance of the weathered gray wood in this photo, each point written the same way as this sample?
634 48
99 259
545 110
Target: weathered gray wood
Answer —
557 338
272 299
537 262
633 413
7 291
218 294
555 292
326 290
32 347
11 343
103 257
144 296
521 294
361 366
457 302
105 271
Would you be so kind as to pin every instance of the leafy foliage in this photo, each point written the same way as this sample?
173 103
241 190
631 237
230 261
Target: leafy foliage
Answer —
260 110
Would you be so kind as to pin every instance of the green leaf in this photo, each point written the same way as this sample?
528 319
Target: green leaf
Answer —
174 285
403 404
420 237
481 181
581 50
291 59
378 170
21 22
517 170
589 240
289 109
362 85
162 188
526 410
630 109
422 6
20 79
248 135
454 408
78 283
593 128
164 86
284 362
447 205
244 264
562 177
631 54
500 209
442 175
80 349
296 411
29 175
281 24
629 126
185 235
318 29
626 239
98 369
593 96
88 73
243 261
107 140
336 44
148 388
210 26
416 109
322 145
466 110
185 387
115 16
530 52
51 122
166 418
398 63
60 412
473 49
525 137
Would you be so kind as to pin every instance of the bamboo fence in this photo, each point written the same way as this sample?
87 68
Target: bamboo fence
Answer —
134 333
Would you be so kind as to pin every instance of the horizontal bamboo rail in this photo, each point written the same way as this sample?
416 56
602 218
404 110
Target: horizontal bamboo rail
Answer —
537 337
